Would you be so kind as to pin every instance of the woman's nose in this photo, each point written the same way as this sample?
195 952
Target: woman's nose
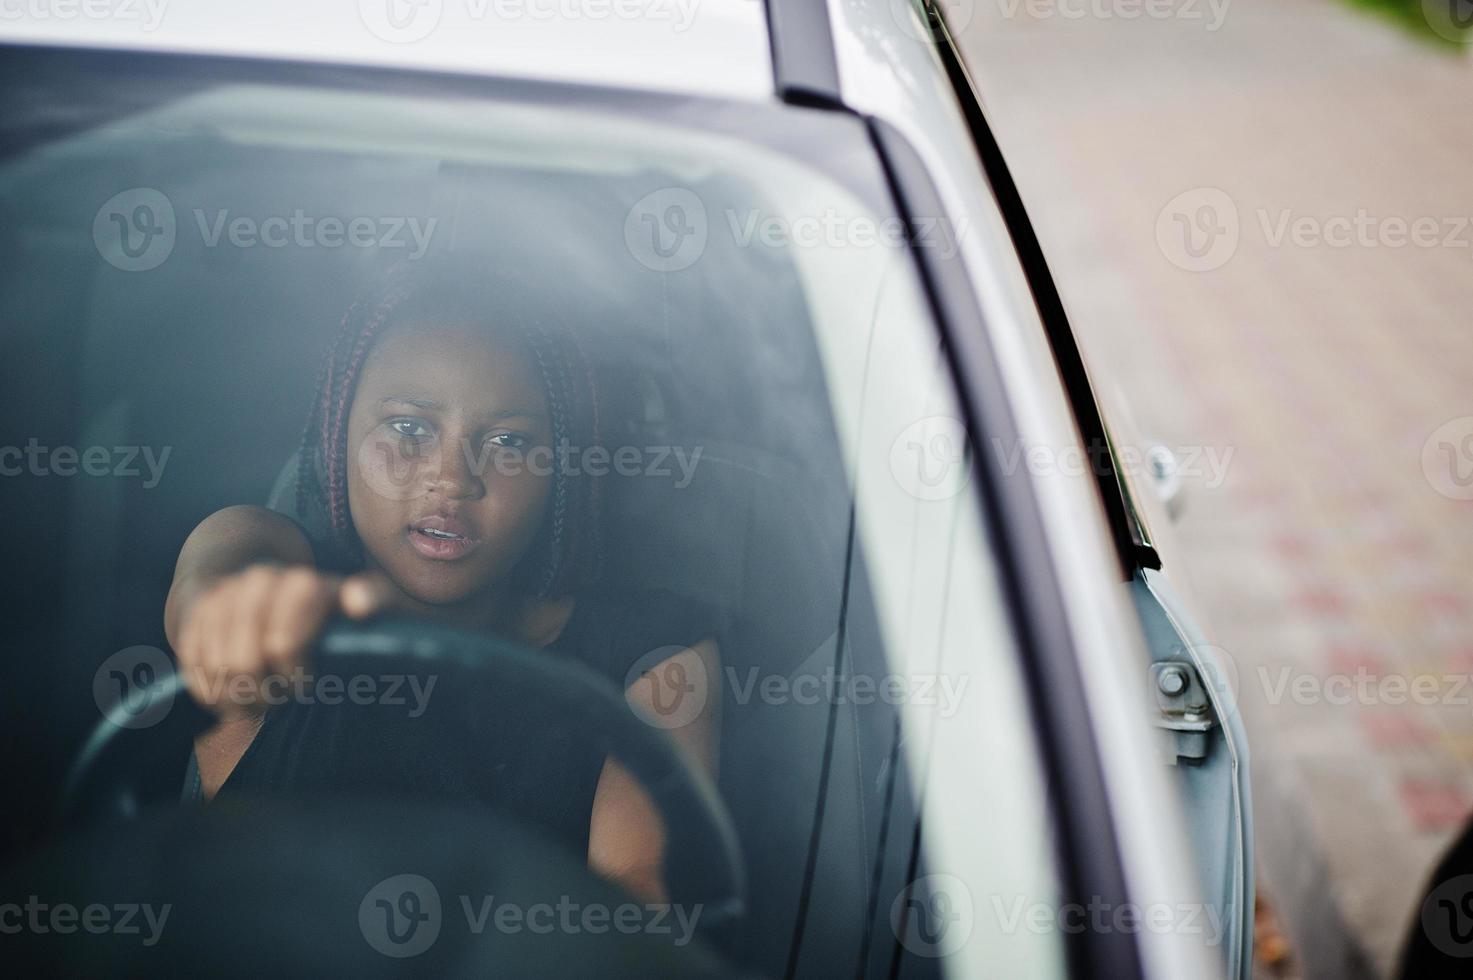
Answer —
459 476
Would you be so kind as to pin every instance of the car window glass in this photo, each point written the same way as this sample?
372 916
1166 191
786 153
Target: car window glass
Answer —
776 458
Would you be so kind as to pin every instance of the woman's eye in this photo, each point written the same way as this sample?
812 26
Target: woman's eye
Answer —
509 440
409 428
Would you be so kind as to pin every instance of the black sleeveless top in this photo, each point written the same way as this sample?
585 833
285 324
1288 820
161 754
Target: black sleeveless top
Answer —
510 759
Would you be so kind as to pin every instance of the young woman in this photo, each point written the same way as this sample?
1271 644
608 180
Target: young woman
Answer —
429 463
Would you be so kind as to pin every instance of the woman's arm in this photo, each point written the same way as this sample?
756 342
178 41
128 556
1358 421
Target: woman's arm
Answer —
626 841
224 543
246 601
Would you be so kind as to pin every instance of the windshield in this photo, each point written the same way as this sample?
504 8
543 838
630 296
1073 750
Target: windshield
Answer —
632 387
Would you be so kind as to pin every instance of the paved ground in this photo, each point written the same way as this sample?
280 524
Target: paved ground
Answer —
1325 354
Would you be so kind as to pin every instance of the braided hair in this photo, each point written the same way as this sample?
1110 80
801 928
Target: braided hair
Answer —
565 553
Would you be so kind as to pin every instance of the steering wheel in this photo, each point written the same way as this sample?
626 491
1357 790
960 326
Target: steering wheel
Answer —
704 859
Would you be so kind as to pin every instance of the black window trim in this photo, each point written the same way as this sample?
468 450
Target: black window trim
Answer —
1132 540
1090 863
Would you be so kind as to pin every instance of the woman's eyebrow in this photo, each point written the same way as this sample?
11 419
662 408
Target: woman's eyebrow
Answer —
426 403
510 413
429 404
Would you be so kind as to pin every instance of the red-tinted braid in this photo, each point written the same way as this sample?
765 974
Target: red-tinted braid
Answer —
336 383
337 456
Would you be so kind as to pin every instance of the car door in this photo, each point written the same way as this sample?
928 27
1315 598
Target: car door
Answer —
1190 683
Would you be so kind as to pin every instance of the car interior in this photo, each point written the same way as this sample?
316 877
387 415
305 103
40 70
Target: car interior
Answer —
212 356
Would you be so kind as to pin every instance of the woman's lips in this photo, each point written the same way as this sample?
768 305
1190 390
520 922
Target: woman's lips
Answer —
442 537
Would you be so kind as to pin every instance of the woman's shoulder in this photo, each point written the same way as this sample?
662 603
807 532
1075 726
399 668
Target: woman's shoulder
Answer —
621 632
234 536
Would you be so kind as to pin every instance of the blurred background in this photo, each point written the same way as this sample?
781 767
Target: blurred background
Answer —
1258 215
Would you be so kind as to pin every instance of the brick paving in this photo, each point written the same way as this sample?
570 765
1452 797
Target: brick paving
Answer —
1328 558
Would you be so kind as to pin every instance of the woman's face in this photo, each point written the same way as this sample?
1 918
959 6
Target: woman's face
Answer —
449 459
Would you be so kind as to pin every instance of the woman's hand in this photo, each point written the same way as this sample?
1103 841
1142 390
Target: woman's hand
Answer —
259 623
